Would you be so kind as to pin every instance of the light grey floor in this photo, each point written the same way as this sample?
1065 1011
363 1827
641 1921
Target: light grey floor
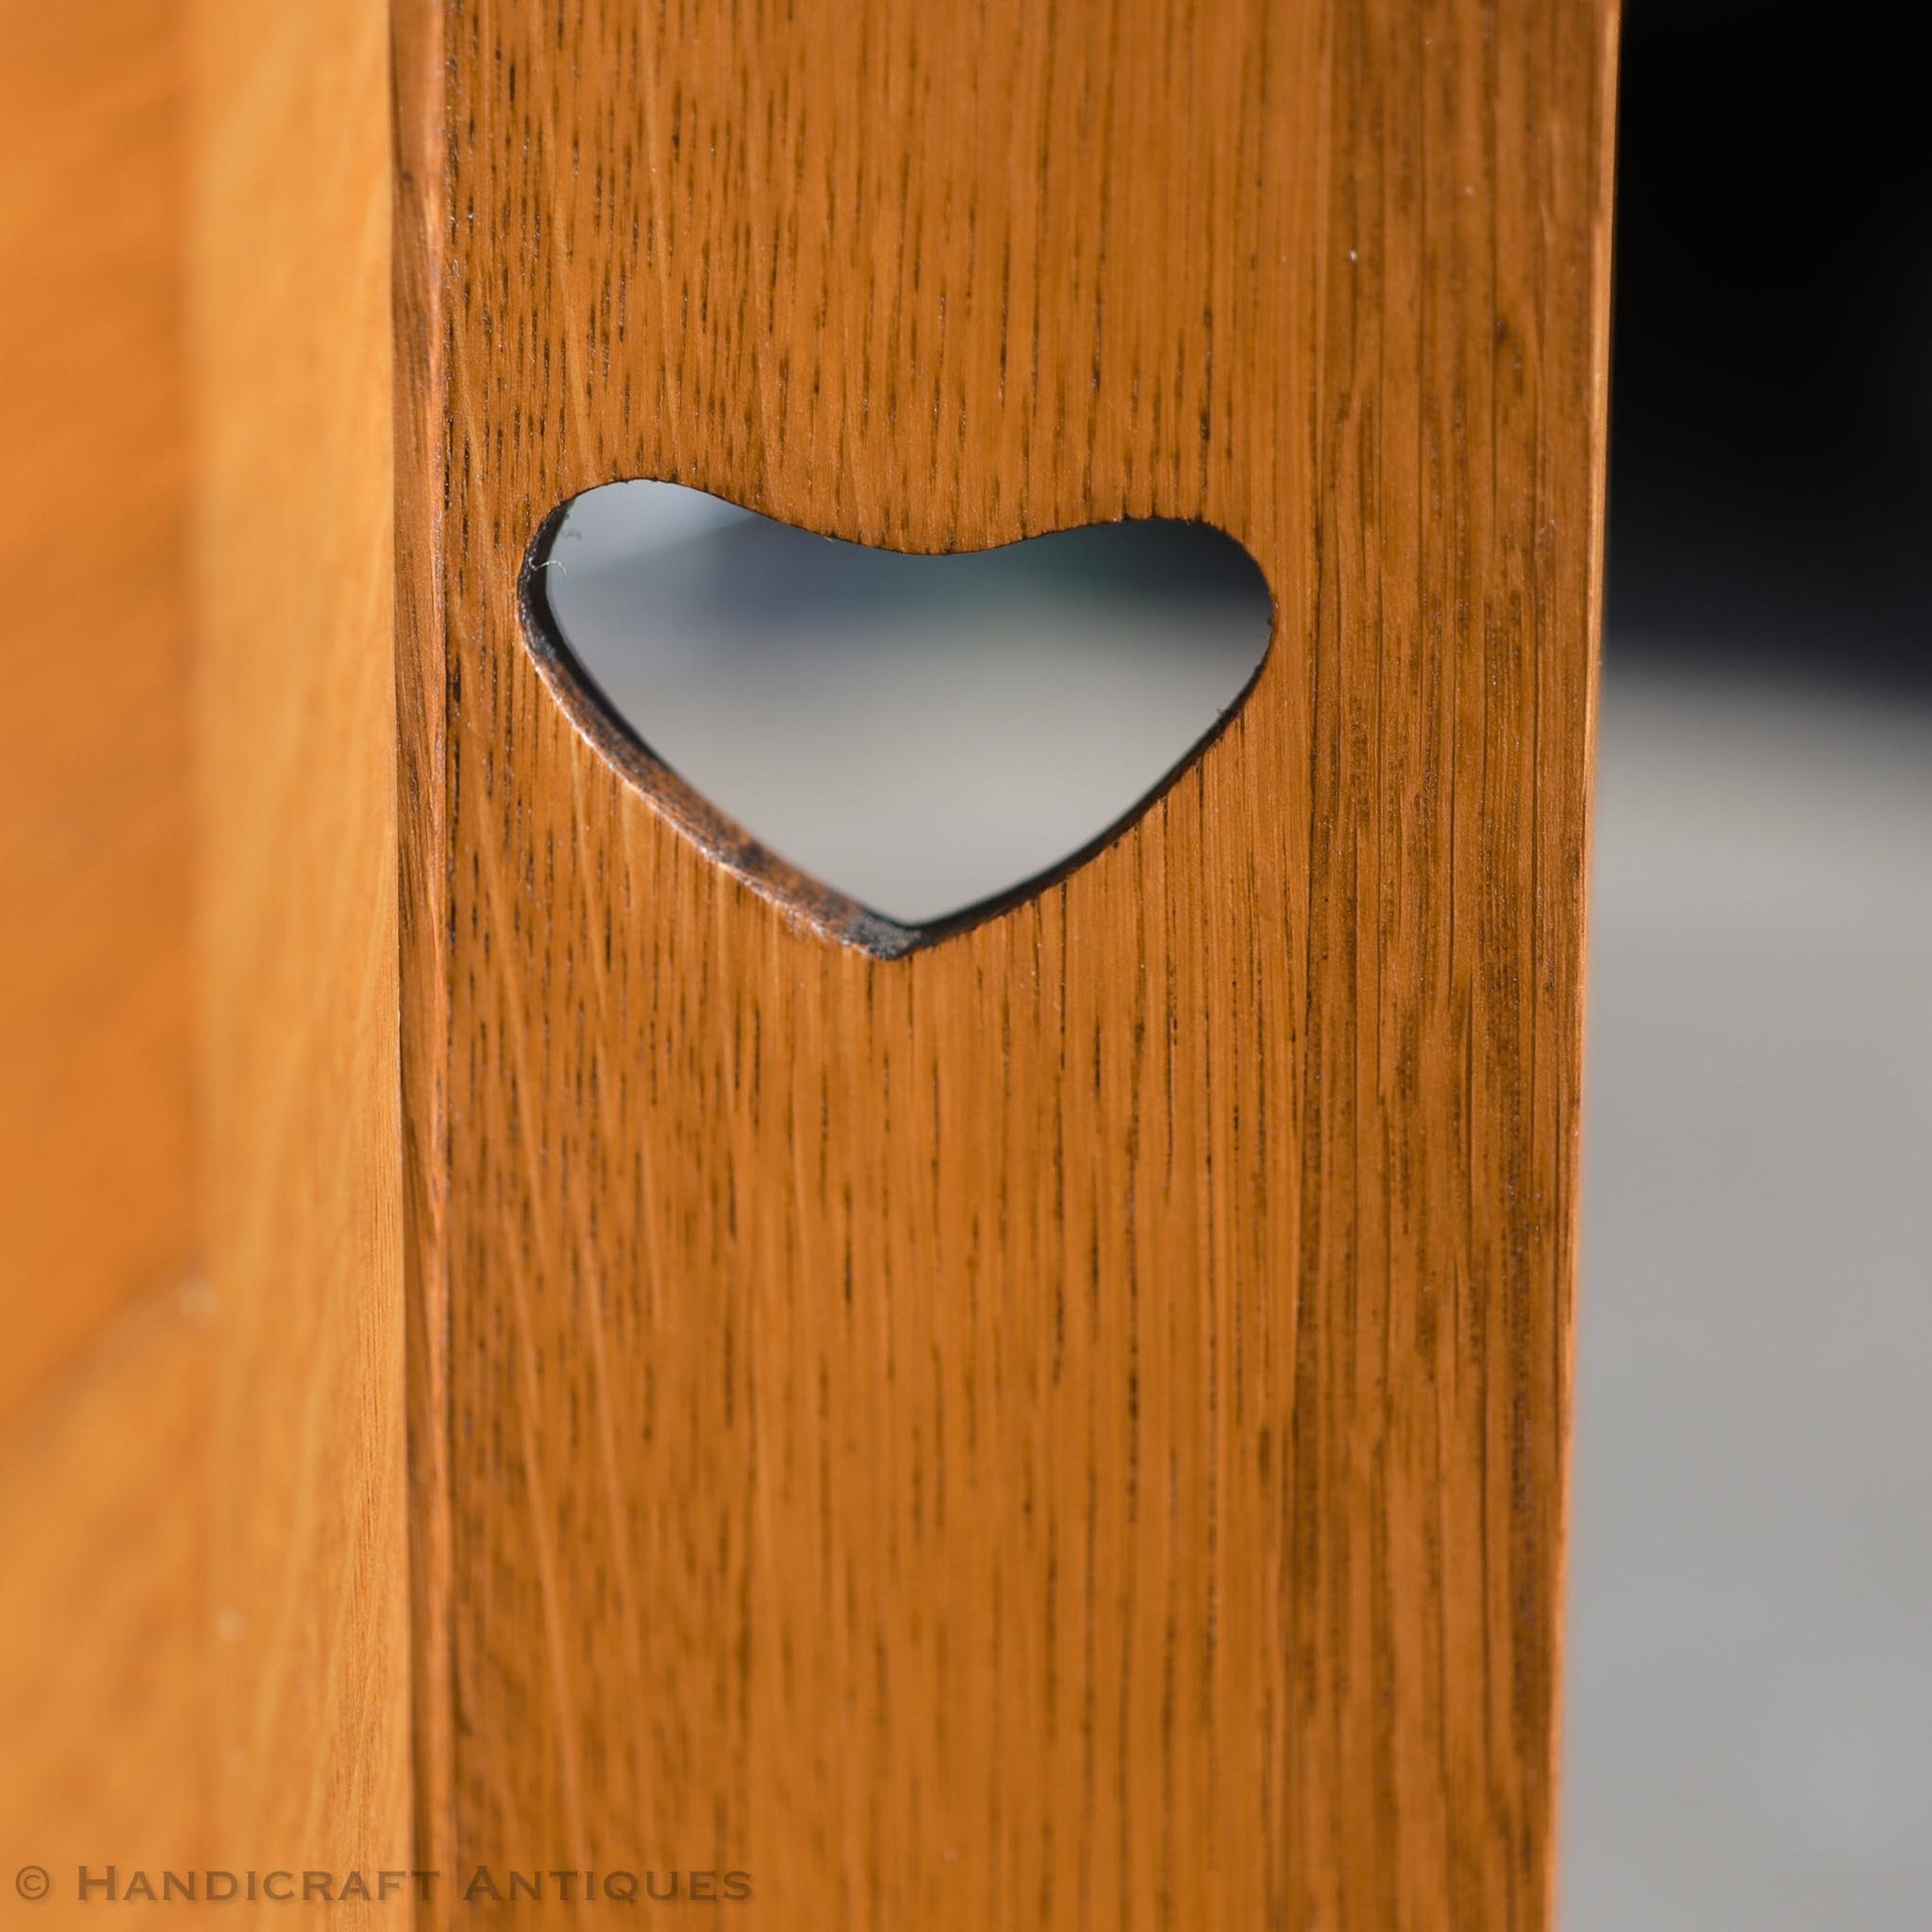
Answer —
1749 1737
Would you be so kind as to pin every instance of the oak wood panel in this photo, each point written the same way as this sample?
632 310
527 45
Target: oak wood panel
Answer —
295 726
102 1376
95 1004
102 1614
1066 1427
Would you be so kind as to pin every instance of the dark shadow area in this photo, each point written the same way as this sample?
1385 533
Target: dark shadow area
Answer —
1771 397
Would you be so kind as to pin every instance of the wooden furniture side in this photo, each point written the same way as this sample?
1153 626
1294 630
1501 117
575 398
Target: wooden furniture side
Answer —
96 1053
104 1368
204 1637
307 1667
1067 1427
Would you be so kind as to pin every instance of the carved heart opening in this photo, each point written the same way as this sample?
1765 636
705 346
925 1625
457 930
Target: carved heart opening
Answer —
916 741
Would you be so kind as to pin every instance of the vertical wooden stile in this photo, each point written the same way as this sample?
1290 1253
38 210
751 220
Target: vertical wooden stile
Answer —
1066 1427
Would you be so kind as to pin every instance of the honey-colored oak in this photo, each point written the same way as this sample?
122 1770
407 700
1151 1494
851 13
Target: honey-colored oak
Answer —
94 976
308 1697
105 1757
102 1379
1066 1428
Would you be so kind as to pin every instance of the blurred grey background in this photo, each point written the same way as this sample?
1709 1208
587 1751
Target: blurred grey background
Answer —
1748 1703
1748 1738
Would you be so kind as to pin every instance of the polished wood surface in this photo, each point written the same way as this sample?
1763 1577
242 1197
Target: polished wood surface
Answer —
104 1368
107 1759
94 978
308 1691
1067 1427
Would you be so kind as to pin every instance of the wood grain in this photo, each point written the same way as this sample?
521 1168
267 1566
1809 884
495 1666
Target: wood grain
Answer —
95 1002
1067 1427
295 725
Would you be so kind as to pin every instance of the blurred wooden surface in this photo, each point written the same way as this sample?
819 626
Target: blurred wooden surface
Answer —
103 1377
105 1754
204 1624
1069 1426
95 999
295 710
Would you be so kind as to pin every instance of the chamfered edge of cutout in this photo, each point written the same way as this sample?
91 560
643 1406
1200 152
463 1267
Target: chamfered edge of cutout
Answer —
722 839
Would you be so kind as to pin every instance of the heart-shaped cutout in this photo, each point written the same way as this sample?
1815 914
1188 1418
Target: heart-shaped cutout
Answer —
927 737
